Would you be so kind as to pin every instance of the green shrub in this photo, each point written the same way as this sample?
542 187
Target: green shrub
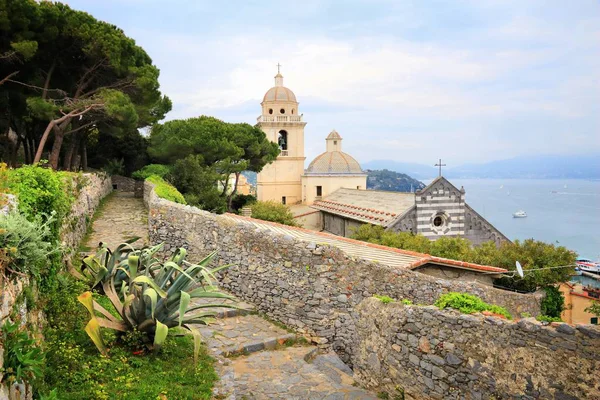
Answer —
165 190
241 200
468 304
546 318
384 299
23 360
152 169
24 244
274 212
407 302
594 308
42 191
553 303
115 167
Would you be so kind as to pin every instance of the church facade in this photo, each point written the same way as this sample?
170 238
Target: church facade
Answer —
335 184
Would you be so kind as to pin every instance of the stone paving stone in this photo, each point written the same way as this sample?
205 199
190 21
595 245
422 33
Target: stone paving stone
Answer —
123 217
247 333
283 374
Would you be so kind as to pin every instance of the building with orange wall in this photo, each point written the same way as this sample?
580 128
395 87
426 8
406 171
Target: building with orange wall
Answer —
577 299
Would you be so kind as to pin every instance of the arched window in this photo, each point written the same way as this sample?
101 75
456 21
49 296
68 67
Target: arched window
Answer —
282 111
270 111
292 111
282 140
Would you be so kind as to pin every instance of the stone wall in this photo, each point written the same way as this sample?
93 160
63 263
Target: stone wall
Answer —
311 287
427 353
72 231
74 228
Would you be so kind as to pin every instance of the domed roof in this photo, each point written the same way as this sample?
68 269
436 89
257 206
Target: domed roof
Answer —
334 162
279 92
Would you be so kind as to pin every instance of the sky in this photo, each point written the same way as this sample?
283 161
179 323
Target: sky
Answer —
411 81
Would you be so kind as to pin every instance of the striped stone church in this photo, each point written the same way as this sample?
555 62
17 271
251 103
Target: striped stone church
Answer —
435 211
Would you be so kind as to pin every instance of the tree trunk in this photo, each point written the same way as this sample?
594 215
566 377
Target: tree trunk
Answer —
15 152
75 158
68 158
59 136
233 192
84 160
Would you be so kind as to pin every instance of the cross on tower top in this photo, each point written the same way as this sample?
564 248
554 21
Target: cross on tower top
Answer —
439 164
278 68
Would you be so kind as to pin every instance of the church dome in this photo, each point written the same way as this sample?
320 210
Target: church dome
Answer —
279 92
334 162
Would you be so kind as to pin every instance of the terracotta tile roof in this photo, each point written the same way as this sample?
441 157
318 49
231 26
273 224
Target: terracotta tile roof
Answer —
371 206
367 251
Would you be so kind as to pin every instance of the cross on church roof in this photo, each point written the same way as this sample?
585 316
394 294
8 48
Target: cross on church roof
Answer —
439 164
278 66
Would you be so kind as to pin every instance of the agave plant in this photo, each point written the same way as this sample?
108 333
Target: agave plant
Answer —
152 297
97 268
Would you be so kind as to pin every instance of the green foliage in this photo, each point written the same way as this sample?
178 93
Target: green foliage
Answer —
392 181
594 308
115 167
41 192
24 244
407 302
553 303
151 296
242 200
384 299
547 318
74 370
165 190
197 182
214 150
468 304
272 211
23 360
533 255
152 169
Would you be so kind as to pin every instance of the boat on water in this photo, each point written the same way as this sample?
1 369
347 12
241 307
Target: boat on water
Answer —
520 214
587 265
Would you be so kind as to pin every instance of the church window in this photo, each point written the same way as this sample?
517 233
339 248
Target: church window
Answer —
270 111
283 200
292 111
335 142
282 140
319 191
438 221
282 111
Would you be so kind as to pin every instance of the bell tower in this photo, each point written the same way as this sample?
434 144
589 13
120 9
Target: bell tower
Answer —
281 181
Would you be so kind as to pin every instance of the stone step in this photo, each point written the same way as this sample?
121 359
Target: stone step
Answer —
284 374
242 308
244 334
332 366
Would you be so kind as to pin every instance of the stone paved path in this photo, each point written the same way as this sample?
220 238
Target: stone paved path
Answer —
256 359
121 218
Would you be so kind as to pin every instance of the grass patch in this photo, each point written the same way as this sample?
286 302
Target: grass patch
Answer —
469 304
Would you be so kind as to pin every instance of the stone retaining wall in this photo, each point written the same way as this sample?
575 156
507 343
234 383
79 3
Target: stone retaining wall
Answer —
74 228
311 287
427 353
72 231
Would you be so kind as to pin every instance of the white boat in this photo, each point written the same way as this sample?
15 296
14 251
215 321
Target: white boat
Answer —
587 265
520 214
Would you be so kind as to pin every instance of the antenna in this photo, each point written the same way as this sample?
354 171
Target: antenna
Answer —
519 269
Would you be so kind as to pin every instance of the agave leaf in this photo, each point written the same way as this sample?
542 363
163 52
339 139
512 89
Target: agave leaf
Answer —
153 298
109 291
104 311
132 262
151 283
93 330
197 343
197 293
222 267
160 335
118 326
128 301
172 264
216 305
88 301
183 305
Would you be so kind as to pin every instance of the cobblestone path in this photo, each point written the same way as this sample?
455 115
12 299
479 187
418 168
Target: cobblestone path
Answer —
122 217
257 359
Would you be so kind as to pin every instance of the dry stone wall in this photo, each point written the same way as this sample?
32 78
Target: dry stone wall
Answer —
11 289
311 287
97 186
427 353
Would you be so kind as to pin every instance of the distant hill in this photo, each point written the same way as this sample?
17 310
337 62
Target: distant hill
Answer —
522 167
392 181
